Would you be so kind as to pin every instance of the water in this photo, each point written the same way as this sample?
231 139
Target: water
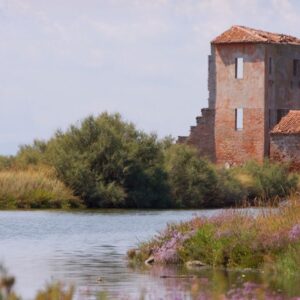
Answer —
88 249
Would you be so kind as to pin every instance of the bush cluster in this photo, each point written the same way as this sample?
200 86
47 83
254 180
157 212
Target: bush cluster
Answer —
108 162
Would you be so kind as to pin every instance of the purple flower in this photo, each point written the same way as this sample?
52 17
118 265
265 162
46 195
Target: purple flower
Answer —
294 233
167 253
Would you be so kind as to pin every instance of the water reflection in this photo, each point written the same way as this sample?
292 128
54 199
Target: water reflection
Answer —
208 283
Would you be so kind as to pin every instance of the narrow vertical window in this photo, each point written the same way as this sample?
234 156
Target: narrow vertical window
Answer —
295 67
239 118
239 68
270 65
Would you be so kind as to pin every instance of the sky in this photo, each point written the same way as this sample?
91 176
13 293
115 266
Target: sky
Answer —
62 60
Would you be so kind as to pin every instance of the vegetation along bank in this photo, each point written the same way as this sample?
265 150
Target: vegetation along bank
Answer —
269 242
106 162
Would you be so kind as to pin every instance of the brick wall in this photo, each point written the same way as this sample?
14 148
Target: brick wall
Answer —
286 148
264 96
233 146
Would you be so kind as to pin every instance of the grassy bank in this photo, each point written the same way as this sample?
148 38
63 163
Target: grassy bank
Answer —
270 241
34 188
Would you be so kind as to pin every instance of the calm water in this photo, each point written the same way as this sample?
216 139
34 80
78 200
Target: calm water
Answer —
80 247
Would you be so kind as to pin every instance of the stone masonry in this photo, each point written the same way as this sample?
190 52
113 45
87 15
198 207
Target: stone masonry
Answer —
253 81
285 140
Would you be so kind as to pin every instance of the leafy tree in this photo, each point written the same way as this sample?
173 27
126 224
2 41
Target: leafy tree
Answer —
192 180
109 163
31 154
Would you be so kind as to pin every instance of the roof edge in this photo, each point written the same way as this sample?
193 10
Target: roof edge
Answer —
238 34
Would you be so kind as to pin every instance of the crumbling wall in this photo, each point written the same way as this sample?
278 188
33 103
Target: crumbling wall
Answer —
286 148
282 84
202 136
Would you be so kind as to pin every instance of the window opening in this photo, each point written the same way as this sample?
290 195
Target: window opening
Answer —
239 118
239 68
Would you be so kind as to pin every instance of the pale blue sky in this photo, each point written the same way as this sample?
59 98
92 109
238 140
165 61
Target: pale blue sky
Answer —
61 60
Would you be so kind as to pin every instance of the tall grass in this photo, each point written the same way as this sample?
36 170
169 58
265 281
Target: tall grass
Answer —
34 188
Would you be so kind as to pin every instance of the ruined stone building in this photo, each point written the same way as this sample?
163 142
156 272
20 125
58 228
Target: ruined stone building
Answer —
285 140
253 82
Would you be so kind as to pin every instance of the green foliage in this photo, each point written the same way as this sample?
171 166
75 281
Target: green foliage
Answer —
192 180
109 163
31 154
6 162
203 246
288 261
284 272
231 250
229 191
234 239
269 180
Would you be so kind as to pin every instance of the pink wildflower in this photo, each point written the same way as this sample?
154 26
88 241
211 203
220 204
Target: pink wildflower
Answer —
294 234
167 253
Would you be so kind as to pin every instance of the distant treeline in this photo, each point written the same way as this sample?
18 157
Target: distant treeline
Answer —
106 162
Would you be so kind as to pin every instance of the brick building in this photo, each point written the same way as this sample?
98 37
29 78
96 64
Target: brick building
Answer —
253 81
285 140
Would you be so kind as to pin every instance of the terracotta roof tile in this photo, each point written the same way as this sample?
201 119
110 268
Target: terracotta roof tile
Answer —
290 124
242 34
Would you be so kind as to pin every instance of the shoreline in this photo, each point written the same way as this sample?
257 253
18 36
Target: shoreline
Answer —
230 239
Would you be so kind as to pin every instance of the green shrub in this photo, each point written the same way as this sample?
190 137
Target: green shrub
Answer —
29 155
203 246
6 162
269 180
109 163
229 190
192 180
233 249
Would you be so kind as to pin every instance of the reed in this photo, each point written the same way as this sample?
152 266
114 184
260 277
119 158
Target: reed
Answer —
36 187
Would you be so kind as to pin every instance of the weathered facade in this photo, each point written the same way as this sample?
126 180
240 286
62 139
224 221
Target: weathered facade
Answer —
253 81
285 140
